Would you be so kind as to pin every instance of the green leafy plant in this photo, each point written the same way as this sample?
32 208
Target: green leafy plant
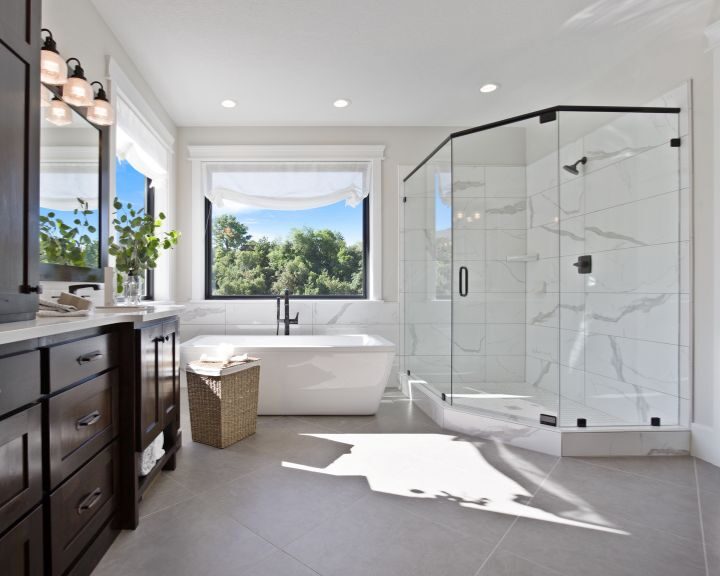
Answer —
137 246
67 244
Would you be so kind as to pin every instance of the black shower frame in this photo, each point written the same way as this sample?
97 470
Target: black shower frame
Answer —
545 115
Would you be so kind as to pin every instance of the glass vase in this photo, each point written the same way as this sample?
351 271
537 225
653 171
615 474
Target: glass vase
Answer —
133 289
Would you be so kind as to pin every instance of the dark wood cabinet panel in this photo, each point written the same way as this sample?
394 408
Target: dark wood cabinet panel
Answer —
81 421
80 508
21 549
170 378
19 380
19 157
21 470
150 410
81 359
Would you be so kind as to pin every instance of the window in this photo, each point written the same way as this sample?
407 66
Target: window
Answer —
300 226
133 187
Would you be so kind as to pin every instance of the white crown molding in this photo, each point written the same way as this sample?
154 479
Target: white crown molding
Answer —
216 153
712 33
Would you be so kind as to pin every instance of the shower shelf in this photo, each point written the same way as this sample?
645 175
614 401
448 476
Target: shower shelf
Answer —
523 258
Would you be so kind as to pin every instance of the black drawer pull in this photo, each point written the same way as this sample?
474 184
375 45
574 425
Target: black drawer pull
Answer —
90 357
89 420
89 501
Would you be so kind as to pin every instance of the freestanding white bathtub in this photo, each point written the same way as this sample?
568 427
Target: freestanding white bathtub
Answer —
311 375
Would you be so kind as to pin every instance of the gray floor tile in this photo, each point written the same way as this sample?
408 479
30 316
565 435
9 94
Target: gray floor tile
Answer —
503 563
200 468
710 505
281 504
601 495
278 564
187 539
163 493
574 551
674 469
375 538
708 476
339 423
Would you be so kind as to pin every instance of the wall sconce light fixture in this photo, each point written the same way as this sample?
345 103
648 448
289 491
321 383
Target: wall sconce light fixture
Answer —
77 91
101 113
53 69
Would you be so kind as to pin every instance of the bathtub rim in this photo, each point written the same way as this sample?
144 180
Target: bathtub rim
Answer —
380 345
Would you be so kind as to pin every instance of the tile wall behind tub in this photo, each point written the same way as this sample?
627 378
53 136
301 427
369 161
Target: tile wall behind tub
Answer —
316 317
621 348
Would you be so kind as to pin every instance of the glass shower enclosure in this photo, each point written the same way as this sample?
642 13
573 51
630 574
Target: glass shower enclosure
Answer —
541 268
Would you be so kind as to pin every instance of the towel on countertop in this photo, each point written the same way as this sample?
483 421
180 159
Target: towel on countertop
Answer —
66 305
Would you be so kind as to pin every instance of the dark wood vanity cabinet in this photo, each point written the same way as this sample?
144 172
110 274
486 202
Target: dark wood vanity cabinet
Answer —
76 409
19 157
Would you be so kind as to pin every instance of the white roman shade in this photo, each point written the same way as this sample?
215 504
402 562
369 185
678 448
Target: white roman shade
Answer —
136 144
287 185
69 174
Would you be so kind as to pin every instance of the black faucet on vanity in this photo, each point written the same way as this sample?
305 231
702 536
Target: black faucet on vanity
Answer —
73 288
287 320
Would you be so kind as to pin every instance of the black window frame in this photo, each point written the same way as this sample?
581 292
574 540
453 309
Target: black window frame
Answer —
149 209
209 260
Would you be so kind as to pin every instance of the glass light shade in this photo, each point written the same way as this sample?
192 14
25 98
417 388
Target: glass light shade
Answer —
53 69
58 113
45 97
78 92
101 113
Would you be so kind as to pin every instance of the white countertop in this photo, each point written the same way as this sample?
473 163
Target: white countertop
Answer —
18 331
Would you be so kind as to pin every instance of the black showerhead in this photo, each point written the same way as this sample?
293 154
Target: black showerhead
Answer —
573 168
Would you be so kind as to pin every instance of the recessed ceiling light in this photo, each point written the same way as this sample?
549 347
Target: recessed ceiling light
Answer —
228 103
341 103
487 88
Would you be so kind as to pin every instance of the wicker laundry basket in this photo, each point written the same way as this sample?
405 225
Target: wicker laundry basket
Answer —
223 402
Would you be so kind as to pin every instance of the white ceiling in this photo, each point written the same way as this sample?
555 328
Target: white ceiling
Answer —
401 62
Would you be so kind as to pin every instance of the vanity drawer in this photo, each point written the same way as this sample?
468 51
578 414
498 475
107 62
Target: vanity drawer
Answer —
81 421
80 508
19 380
20 464
75 361
21 549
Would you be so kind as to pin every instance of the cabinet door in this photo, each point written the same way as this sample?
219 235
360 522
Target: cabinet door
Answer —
21 549
19 157
21 464
170 377
150 408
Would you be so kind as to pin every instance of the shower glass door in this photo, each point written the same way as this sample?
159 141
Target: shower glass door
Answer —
621 251
505 285
426 265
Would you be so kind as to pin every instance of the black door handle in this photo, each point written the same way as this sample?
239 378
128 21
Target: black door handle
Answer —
463 281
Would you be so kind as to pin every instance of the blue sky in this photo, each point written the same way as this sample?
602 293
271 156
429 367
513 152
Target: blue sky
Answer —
275 224
129 184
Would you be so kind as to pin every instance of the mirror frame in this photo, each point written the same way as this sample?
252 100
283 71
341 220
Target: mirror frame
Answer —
62 272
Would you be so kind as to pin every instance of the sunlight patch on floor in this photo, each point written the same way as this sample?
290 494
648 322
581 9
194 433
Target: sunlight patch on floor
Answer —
443 467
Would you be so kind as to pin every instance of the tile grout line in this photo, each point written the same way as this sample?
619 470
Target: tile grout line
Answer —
582 460
702 526
499 542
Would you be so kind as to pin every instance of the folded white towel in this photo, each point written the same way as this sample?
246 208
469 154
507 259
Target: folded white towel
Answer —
56 313
151 455
66 305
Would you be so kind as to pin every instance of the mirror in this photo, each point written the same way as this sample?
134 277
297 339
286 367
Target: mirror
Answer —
70 193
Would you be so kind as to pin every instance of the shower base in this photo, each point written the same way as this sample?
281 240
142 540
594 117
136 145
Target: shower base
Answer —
464 416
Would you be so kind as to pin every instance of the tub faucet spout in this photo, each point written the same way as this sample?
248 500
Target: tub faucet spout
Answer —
287 320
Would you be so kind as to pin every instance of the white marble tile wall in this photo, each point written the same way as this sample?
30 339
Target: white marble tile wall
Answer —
488 326
315 317
622 348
